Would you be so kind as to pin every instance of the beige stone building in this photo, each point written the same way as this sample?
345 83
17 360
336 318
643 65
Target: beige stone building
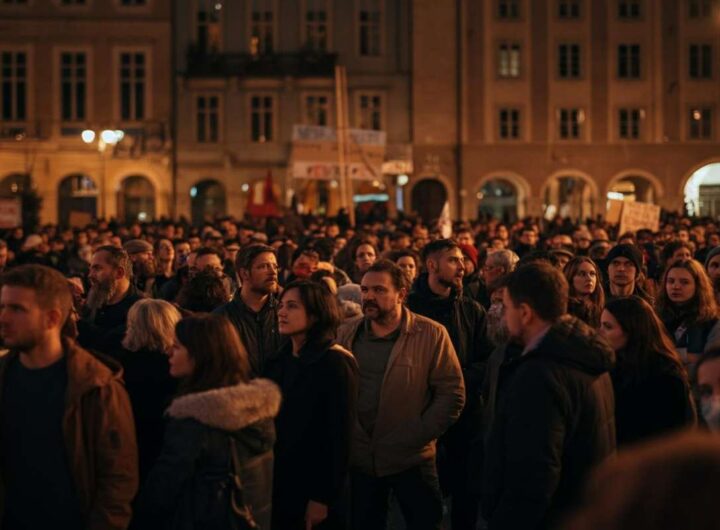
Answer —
68 66
524 105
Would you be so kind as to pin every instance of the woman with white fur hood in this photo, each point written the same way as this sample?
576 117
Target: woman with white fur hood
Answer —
220 429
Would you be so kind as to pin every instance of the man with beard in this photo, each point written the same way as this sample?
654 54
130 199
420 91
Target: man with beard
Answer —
69 456
143 263
411 391
109 299
438 294
253 311
553 417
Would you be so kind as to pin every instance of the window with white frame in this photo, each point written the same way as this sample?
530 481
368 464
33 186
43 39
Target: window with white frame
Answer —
209 28
73 86
133 86
13 85
208 118
508 9
509 60
630 123
262 27
316 25
569 66
317 109
370 111
568 9
370 27
628 66
700 61
629 9
570 123
262 108
509 122
700 8
700 123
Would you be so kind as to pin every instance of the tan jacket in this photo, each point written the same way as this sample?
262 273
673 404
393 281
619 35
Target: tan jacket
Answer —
422 395
100 439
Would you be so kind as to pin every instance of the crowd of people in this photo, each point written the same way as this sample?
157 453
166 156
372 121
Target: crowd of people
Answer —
309 374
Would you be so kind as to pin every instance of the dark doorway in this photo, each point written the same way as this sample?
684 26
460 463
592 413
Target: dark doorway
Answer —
208 201
77 194
137 200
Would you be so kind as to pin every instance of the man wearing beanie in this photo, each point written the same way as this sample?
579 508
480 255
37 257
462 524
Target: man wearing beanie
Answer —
473 286
624 269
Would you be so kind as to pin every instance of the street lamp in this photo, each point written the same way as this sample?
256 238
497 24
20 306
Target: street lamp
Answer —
106 137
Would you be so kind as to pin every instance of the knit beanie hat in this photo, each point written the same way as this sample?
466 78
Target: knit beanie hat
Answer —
714 252
626 251
470 252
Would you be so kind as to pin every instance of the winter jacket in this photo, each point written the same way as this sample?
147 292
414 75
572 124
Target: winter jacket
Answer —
422 395
99 438
553 421
258 331
697 335
315 425
197 444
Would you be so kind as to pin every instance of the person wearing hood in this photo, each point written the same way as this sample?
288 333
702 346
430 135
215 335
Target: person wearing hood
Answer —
554 406
69 456
219 425
438 295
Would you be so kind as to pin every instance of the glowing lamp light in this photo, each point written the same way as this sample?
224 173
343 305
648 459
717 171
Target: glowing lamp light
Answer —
334 184
88 136
193 192
109 137
245 187
402 180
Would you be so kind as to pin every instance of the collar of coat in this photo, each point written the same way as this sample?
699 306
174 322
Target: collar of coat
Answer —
230 408
408 322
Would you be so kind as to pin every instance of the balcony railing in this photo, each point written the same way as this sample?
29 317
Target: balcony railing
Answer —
201 63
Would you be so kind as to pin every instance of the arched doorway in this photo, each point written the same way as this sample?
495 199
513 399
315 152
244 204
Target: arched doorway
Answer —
136 200
77 200
428 198
702 191
208 201
633 188
498 198
569 196
14 184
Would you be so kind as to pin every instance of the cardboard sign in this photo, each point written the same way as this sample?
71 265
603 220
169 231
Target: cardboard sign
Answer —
79 219
614 211
10 213
639 215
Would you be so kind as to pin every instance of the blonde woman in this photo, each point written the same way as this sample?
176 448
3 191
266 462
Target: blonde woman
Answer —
149 335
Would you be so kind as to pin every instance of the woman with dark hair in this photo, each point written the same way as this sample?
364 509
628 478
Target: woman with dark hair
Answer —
363 254
219 425
675 251
652 392
319 382
686 304
204 292
586 295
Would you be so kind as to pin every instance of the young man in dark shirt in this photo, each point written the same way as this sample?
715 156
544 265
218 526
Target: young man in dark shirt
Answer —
69 456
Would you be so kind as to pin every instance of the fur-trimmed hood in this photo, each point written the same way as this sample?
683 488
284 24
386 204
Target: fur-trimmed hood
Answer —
230 408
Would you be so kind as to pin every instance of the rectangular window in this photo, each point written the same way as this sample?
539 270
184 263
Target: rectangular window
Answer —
316 25
209 32
570 123
700 61
370 112
629 61
261 118
262 28
629 123
509 120
629 9
509 60
133 78
208 119
569 61
508 9
568 9
370 25
700 8
73 85
317 110
13 85
700 123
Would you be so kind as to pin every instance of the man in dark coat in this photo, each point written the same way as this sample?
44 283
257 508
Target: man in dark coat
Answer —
253 311
554 406
437 294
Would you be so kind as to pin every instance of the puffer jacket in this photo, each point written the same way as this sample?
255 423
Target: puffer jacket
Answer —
422 395
553 421
197 443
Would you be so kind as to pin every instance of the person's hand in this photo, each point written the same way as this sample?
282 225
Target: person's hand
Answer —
315 514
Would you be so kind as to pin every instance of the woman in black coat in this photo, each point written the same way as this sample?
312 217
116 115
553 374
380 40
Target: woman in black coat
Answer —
319 382
220 424
652 393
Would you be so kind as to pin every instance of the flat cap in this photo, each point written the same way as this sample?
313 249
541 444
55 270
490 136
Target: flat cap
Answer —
136 246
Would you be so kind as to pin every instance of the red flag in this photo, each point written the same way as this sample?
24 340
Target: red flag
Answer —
262 202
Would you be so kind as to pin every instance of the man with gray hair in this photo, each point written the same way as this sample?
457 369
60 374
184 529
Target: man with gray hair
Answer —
498 264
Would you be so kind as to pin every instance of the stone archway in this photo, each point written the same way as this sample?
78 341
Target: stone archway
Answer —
136 199
77 198
701 190
509 204
570 193
208 201
14 184
428 197
635 185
